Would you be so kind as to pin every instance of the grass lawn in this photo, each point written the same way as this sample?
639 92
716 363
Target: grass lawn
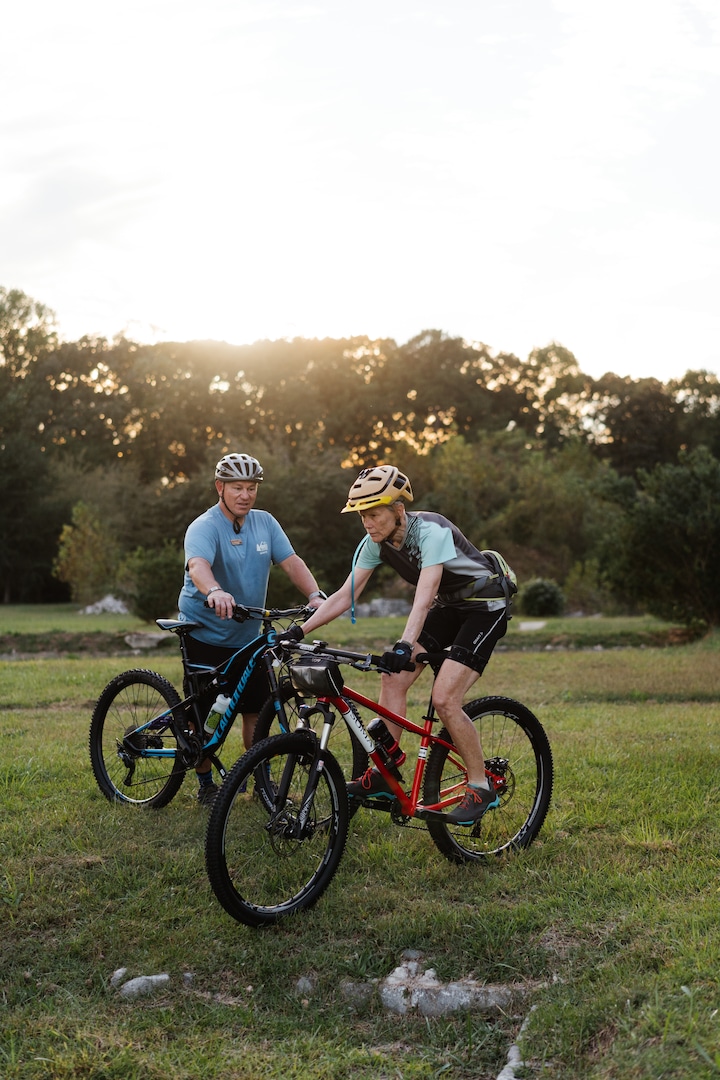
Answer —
607 928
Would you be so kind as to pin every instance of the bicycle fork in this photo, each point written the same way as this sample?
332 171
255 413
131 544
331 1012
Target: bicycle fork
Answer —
298 829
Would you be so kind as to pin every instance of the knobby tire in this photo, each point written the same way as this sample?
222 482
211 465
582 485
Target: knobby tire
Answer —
131 700
258 869
519 760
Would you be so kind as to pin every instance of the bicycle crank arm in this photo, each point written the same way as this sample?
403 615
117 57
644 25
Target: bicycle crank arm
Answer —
388 805
425 814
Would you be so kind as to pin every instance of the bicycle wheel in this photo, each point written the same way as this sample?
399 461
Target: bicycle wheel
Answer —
347 751
131 701
265 865
518 761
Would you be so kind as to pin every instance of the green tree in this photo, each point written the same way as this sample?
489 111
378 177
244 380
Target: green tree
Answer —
559 394
698 397
633 424
665 553
27 330
31 514
473 483
87 558
561 504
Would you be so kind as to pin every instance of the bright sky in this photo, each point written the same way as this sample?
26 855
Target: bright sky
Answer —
510 171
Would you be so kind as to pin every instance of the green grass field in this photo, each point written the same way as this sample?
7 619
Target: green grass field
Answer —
607 928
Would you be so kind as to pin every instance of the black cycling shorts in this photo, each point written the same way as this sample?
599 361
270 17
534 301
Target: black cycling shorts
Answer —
471 634
257 690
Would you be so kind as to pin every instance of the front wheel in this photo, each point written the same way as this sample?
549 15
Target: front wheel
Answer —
518 762
347 751
135 715
265 863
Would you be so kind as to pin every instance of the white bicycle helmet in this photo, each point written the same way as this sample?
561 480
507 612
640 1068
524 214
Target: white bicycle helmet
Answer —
238 467
380 486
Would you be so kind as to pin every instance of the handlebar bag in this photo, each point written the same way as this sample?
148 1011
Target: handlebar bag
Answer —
317 676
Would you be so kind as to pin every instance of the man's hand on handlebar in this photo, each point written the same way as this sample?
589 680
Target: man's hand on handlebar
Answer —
222 603
398 658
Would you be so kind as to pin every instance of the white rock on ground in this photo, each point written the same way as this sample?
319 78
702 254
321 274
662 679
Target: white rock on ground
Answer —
410 988
108 603
142 985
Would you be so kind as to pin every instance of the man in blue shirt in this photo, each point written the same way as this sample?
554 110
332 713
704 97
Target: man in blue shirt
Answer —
229 551
461 602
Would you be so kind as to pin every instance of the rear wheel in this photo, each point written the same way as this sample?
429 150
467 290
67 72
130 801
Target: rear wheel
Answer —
518 762
266 863
134 714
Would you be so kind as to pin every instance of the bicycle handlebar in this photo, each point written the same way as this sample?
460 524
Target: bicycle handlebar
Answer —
243 612
361 661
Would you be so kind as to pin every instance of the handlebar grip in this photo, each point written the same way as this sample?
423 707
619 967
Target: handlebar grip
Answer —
240 612
376 661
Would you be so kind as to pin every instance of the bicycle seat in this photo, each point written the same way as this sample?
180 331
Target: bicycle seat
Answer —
177 626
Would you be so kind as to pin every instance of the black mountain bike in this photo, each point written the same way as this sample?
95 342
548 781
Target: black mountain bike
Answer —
144 737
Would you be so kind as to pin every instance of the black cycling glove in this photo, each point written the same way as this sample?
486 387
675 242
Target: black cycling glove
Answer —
398 658
291 636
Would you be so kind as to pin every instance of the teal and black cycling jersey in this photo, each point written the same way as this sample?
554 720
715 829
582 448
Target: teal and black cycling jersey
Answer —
430 540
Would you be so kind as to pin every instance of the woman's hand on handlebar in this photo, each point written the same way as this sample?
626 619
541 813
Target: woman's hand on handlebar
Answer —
398 658
291 636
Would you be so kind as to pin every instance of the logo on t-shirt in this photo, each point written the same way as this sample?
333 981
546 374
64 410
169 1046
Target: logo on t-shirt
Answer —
262 547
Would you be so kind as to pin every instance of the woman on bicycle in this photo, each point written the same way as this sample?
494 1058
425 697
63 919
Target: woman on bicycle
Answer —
461 602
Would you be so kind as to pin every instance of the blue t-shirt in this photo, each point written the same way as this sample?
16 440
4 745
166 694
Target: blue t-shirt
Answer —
241 564
433 540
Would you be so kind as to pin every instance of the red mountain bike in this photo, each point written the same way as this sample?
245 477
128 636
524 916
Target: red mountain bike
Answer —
275 852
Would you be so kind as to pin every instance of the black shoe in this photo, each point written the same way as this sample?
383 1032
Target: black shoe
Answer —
206 794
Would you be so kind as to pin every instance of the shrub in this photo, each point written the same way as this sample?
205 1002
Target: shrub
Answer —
664 554
543 596
150 581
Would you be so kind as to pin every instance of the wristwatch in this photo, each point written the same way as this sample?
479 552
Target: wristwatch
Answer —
318 592
215 588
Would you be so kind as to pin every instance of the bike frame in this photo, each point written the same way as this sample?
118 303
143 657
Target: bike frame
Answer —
409 805
237 670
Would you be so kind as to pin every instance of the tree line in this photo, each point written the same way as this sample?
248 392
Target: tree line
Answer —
107 451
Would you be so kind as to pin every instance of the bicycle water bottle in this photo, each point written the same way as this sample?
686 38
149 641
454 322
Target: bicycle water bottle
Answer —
217 708
387 743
